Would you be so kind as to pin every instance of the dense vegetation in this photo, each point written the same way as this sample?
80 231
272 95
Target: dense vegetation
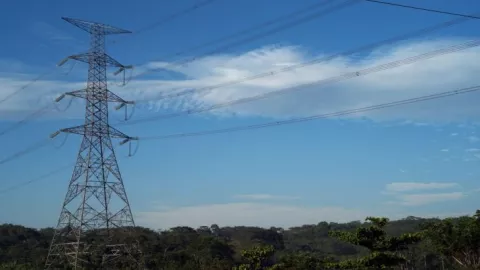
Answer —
410 243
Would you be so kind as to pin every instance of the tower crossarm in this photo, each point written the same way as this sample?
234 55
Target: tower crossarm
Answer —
90 27
95 130
83 93
101 59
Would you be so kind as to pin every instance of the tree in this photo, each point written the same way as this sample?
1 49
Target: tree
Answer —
456 239
257 258
301 260
384 250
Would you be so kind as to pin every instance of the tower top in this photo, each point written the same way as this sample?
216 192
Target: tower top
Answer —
89 26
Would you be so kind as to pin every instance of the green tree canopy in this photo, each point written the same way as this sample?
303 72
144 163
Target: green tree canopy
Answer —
384 250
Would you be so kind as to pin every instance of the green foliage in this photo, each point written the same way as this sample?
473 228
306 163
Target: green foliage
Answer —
302 260
456 239
258 257
372 244
384 250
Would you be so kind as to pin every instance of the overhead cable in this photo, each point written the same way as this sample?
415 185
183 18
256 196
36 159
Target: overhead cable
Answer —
248 39
14 93
423 9
315 61
175 15
27 150
35 114
318 116
41 177
143 29
253 28
338 78
278 123
256 36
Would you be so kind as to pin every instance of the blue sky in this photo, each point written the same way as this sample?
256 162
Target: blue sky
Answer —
418 159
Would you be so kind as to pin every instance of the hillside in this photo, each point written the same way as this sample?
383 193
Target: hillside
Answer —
213 247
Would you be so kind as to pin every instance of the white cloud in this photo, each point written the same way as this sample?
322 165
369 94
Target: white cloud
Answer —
444 150
473 139
278 215
454 134
439 74
416 186
264 197
423 199
248 214
472 150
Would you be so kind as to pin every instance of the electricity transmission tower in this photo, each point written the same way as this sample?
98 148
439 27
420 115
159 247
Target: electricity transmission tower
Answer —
95 227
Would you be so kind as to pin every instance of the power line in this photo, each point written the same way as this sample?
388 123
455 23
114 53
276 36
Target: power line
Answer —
423 9
319 116
27 150
252 28
257 36
318 60
27 118
176 15
143 29
44 176
329 80
278 123
345 76
245 31
33 115
446 24
14 93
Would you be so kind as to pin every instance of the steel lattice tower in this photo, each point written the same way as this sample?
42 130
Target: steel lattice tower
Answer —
96 223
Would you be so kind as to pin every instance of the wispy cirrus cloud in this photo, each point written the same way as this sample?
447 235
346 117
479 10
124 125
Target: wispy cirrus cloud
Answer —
247 214
264 197
439 74
417 186
417 193
473 139
429 198
265 215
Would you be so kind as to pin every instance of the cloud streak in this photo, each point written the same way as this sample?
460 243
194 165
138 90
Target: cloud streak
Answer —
246 213
417 186
264 197
440 74
270 214
425 198
415 193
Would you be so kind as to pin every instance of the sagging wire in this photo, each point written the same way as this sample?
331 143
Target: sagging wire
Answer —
137 145
44 176
29 149
127 116
18 124
70 69
66 108
129 140
125 80
62 143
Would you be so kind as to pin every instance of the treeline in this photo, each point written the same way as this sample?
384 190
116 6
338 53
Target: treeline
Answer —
410 243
